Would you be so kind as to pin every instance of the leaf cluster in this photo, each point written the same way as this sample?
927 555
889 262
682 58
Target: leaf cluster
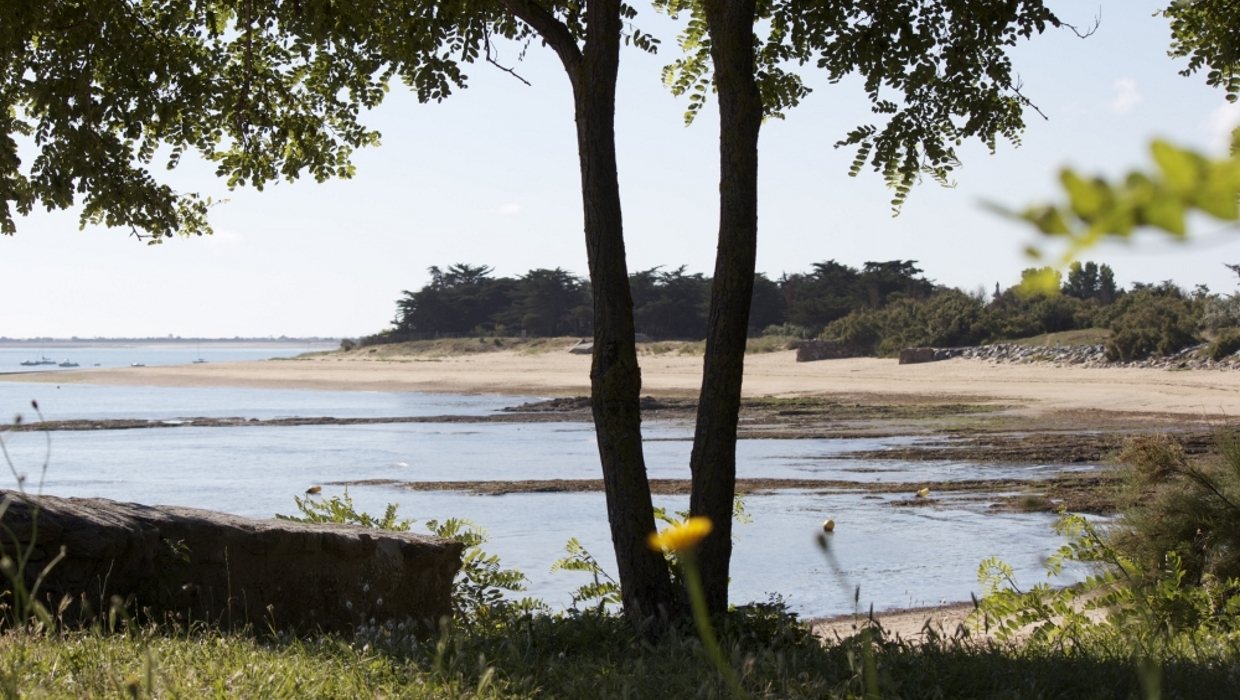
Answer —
265 90
1185 181
936 73
1204 32
339 510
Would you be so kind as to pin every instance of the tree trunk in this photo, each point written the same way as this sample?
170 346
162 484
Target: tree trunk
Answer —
713 462
615 378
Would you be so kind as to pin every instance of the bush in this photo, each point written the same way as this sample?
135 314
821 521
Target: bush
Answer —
950 318
1173 503
1013 314
1151 320
1225 345
1218 313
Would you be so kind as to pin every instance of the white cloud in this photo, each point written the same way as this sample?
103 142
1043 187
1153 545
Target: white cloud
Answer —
1126 96
510 208
1221 122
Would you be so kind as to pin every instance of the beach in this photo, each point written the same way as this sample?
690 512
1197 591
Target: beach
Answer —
1038 413
1032 389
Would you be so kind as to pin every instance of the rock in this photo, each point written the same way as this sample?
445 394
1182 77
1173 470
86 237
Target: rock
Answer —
582 348
814 350
192 564
910 356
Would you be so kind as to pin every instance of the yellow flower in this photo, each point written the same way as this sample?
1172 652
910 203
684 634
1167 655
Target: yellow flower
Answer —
682 536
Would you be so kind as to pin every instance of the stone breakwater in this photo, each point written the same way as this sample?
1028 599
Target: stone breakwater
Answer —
1083 356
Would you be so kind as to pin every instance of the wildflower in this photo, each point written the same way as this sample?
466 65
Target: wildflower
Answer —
681 537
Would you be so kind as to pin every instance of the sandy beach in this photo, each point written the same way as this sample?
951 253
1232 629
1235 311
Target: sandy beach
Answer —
1034 388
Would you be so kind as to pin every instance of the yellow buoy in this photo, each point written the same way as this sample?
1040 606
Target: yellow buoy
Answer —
924 492
828 525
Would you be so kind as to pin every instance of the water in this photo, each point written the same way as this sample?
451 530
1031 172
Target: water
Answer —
899 556
88 402
149 354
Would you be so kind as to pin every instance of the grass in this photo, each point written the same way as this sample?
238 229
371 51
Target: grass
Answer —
569 656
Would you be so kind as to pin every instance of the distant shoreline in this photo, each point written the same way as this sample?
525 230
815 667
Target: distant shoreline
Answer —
166 342
1077 393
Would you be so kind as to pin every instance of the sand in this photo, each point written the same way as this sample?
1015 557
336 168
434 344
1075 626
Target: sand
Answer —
1034 387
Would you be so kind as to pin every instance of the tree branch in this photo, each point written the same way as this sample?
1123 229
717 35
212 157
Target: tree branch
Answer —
490 59
552 30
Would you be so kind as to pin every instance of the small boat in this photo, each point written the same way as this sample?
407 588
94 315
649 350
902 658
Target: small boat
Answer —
137 364
200 361
43 360
68 363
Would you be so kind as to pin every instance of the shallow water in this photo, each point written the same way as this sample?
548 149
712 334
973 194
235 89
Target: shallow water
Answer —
151 355
899 556
84 401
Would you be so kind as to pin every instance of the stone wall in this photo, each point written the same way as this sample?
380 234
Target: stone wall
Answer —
195 564
814 350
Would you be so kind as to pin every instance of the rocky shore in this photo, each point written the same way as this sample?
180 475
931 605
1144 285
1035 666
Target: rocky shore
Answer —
1084 356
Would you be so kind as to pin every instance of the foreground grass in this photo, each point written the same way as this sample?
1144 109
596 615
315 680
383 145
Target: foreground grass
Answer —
571 657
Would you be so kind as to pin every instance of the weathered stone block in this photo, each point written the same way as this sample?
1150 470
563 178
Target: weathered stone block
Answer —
910 356
814 350
200 565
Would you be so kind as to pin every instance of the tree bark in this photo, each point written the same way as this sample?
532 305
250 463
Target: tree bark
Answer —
713 462
615 378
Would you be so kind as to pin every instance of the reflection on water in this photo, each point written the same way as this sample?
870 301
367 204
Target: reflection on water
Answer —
899 556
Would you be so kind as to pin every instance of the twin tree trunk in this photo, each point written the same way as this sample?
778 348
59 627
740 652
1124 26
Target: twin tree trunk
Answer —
615 378
713 462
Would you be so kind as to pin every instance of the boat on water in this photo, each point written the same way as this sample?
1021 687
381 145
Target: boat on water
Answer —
43 360
200 361
137 364
68 363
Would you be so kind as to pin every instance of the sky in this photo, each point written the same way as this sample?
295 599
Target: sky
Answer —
490 177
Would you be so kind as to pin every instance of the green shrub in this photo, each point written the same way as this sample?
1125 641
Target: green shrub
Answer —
1190 505
1154 320
950 318
1219 313
1225 345
859 331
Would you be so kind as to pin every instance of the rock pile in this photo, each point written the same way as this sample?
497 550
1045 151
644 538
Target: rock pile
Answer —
1083 356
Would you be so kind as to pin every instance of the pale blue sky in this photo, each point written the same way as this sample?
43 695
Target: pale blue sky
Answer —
490 177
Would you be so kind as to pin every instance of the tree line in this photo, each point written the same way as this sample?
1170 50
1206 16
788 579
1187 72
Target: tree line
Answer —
832 298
